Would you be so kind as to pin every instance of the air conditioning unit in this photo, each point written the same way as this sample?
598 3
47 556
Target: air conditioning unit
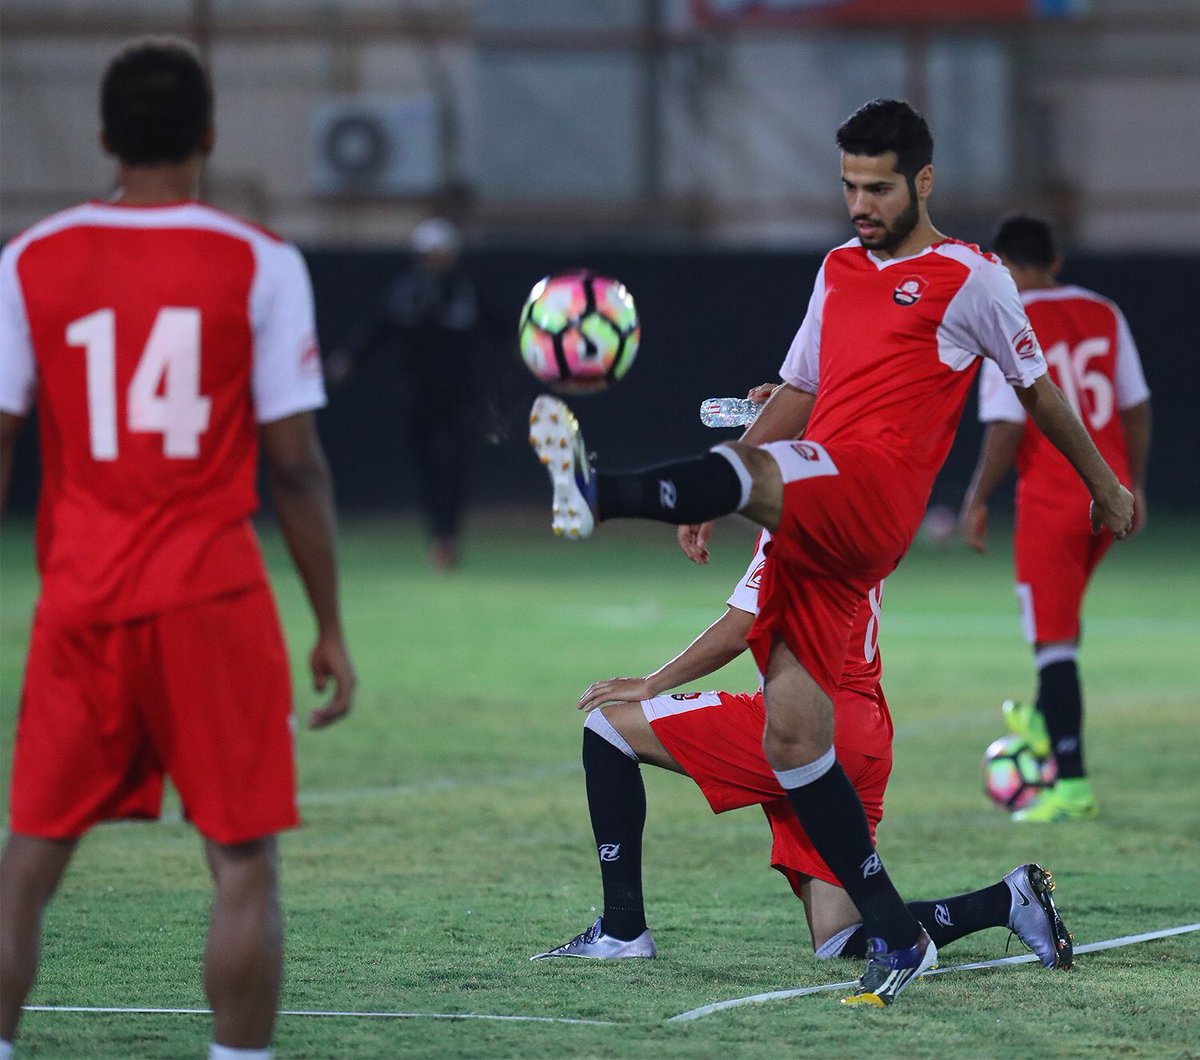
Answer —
373 147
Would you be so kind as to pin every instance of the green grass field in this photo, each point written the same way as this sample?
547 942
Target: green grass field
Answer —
446 834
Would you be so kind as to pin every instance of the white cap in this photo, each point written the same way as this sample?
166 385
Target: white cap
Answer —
436 234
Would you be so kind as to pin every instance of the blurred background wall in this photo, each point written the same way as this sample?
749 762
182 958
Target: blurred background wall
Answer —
685 145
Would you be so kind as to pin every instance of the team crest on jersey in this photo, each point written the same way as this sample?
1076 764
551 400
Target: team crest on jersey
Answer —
803 449
909 290
1025 344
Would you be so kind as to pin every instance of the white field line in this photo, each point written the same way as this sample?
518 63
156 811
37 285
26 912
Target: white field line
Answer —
778 995
691 1014
315 1012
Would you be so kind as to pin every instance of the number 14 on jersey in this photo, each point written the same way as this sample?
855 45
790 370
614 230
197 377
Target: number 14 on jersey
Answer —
164 394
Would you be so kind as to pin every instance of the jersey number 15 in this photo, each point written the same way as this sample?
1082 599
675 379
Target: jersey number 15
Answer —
170 361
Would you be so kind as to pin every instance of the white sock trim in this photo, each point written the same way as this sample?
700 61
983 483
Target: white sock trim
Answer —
1055 653
6 1049
602 727
225 1052
832 946
739 468
801 775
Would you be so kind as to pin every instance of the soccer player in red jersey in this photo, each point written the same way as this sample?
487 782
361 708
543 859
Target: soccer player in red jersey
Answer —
716 739
898 321
164 342
1091 355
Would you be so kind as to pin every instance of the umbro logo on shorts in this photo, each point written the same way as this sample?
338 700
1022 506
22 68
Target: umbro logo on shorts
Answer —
666 493
909 290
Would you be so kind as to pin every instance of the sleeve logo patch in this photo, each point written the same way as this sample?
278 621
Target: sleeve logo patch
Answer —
909 290
310 358
755 579
1026 344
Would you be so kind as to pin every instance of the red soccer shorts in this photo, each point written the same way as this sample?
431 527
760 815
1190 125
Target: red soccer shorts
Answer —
838 536
717 738
201 694
1053 566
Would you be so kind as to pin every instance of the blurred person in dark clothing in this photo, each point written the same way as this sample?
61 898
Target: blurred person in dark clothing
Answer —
425 335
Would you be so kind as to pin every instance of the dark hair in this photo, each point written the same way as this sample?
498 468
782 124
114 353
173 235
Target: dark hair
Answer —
1025 240
885 125
155 102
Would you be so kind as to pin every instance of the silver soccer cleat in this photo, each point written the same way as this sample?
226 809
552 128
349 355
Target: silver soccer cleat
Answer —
555 436
1034 918
593 944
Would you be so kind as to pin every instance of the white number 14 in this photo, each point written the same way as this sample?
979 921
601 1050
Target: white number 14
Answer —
171 359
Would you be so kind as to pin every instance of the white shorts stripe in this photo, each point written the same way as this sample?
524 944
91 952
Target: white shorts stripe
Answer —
681 703
801 460
1024 593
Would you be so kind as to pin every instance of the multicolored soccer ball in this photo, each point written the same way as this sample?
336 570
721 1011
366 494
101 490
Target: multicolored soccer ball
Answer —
579 332
1012 774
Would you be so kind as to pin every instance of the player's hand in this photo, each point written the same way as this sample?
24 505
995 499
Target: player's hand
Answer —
330 659
1114 512
693 539
974 523
760 393
616 690
1139 512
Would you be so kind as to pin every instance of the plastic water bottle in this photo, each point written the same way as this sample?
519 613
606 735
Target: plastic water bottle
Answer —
728 411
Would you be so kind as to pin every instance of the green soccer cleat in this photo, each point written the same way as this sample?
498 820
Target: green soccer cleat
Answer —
1067 800
1028 723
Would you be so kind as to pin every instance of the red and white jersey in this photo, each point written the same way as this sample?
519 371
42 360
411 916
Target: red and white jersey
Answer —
861 716
1092 357
890 347
155 340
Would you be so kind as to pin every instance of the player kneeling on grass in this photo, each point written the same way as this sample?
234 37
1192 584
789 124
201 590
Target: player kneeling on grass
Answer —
716 739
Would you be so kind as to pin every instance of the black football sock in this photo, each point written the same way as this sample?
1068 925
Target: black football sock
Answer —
831 813
948 919
1060 700
617 803
686 491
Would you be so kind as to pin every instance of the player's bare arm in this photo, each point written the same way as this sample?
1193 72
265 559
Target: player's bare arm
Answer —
302 494
1112 503
10 427
1136 421
997 453
786 413
721 643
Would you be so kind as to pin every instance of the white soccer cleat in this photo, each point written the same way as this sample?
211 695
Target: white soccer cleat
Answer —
555 436
1033 916
594 945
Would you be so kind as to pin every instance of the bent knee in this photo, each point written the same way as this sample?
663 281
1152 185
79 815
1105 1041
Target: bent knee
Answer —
765 505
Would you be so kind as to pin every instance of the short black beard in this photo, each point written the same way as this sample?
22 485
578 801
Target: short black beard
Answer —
902 227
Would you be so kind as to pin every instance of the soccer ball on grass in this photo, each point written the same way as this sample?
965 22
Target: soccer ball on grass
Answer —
1013 775
579 331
